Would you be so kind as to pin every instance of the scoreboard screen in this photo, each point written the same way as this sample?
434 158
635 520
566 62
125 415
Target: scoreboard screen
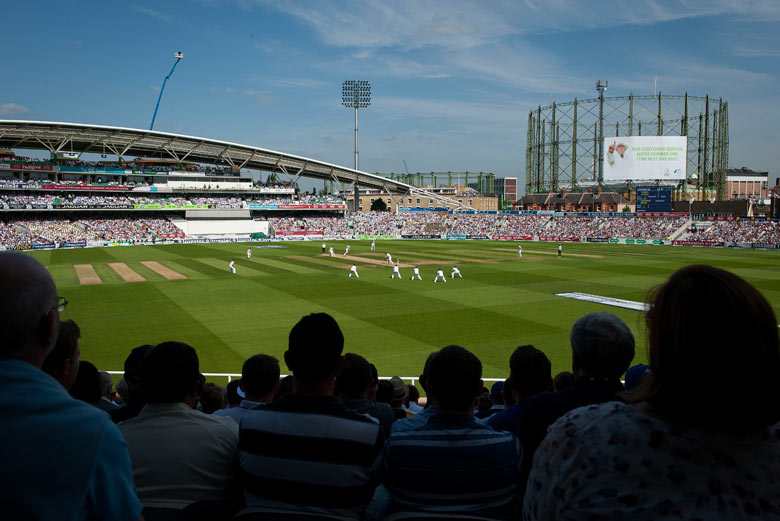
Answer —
654 200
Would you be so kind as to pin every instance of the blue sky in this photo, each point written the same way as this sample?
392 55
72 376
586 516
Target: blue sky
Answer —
452 81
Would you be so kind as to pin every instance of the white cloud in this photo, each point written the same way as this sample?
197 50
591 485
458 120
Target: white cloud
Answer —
463 24
159 15
264 98
298 82
12 108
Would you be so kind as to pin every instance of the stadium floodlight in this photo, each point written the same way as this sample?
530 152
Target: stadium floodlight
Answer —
356 94
178 56
601 87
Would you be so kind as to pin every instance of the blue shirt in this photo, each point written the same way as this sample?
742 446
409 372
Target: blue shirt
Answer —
453 464
61 458
416 421
238 412
506 420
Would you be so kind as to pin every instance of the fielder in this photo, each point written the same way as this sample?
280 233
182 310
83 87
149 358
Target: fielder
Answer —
352 270
440 273
249 253
232 265
519 250
373 244
396 271
346 250
456 271
330 251
389 258
416 273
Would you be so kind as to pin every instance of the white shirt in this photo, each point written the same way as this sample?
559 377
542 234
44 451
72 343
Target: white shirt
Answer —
181 455
395 269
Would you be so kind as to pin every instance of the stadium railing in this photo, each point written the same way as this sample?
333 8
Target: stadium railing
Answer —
229 376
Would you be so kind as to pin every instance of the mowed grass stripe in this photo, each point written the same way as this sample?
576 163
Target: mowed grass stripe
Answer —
64 275
287 266
325 261
241 269
139 314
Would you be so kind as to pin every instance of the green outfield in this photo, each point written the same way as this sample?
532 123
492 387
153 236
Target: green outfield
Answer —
124 296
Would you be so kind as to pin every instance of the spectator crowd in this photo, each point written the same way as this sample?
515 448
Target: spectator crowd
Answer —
20 232
692 435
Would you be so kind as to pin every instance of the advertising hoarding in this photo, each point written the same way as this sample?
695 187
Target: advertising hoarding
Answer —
644 158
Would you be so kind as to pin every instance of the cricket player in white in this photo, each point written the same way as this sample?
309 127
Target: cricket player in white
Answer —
323 247
519 250
456 271
346 250
440 273
396 271
249 253
389 258
232 265
373 244
352 270
416 273
330 251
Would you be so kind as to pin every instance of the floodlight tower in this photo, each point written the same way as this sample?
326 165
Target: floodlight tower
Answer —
601 87
178 56
356 94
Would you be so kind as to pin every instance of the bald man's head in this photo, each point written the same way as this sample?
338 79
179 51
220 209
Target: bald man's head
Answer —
29 319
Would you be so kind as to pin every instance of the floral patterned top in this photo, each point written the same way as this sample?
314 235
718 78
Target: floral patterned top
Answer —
613 461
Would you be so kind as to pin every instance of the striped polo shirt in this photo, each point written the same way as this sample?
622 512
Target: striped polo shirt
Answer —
309 453
453 464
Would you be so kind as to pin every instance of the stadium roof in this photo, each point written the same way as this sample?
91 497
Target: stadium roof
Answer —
124 142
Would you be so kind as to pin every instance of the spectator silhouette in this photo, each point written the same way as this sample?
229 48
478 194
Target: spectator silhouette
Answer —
602 347
49 441
529 375
453 463
87 385
106 402
62 363
259 383
180 455
353 383
422 417
307 451
135 398
698 438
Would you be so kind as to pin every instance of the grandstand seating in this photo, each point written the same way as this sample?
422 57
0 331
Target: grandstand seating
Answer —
18 232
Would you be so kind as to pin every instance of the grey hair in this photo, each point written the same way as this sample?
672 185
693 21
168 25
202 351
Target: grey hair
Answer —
27 293
603 345
105 383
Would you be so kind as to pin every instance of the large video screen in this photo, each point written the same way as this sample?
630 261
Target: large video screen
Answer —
644 158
